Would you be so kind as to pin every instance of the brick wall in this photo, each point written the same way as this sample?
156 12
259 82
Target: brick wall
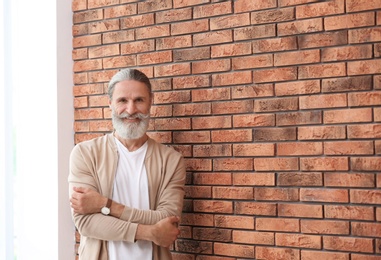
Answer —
275 104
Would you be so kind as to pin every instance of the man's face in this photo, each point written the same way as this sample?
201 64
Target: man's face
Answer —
130 104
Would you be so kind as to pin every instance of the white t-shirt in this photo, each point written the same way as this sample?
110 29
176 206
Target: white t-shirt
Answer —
131 189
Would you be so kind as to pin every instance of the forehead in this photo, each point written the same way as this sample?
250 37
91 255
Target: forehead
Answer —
131 88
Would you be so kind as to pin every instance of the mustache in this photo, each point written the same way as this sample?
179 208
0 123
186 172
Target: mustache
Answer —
133 116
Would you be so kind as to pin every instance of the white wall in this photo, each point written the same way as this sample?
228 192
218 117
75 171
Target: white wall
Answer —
41 76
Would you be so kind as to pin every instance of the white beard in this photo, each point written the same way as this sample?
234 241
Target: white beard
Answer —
130 130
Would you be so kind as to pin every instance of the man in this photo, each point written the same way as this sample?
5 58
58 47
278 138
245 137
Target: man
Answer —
126 189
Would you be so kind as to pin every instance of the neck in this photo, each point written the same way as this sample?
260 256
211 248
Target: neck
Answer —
132 144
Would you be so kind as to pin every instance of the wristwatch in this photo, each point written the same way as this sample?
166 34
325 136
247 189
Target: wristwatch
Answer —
106 209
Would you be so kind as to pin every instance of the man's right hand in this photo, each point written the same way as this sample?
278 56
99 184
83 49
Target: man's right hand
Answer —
163 233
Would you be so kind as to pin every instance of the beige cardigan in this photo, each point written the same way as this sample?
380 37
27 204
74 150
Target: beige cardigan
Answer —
93 164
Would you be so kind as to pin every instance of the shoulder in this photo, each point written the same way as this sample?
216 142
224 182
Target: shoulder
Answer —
96 144
165 150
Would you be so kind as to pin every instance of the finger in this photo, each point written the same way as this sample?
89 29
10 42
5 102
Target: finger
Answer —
79 189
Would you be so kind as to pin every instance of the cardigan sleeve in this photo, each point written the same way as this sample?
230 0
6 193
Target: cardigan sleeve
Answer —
96 225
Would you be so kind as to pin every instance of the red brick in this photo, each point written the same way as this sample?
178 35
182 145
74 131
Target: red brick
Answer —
277 224
229 221
214 9
300 27
364 35
87 16
276 104
314 255
210 94
211 122
241 193
276 164
253 150
212 234
297 148
86 41
200 53
347 84
347 53
182 3
172 124
300 179
275 44
348 147
193 246
365 196
211 66
322 39
198 192
349 21
256 90
84 65
152 31
172 97
332 227
300 210
299 118
226 50
296 57
364 131
191 109
233 164
366 163
230 21
355 6
234 250
323 101
174 69
349 212
215 37
137 47
243 6
198 164
348 116
324 164
215 206
144 7
231 136
154 57
213 178
297 87
275 134
120 11
119 62
254 179
254 32
253 237
352 244
298 240
276 194
319 9
277 15
192 81
190 27
364 98
364 257
255 208
233 107
233 78
274 75
191 137
277 253
173 15
324 195
256 61
322 70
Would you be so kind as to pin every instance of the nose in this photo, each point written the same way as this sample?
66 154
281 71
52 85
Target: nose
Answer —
130 108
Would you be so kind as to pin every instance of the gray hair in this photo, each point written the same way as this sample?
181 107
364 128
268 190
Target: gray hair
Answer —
128 74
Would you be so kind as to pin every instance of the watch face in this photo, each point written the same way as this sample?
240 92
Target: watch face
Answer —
105 211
